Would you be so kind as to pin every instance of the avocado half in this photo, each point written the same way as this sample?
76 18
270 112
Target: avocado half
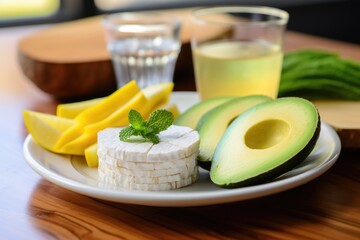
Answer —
191 117
213 124
265 141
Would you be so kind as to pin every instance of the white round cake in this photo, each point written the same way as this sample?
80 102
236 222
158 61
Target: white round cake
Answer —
142 165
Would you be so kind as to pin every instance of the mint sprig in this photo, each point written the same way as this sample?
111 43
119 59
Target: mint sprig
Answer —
158 121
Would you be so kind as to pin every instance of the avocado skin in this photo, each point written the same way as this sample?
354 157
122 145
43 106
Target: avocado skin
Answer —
204 164
285 167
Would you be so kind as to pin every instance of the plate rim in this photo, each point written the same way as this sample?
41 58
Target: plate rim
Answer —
183 199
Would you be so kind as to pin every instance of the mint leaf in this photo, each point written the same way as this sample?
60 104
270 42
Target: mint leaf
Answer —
126 133
160 120
136 120
152 137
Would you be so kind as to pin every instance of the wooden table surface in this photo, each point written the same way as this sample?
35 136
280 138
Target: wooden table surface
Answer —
33 208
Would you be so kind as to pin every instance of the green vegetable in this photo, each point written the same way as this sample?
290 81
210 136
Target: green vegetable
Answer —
316 74
158 121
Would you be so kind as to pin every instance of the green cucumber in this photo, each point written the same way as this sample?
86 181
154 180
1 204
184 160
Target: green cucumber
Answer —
319 89
318 74
292 59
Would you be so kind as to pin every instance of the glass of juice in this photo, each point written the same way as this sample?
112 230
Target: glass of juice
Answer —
237 50
143 46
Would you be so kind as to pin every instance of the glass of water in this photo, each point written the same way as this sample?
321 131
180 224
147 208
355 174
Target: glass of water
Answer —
143 46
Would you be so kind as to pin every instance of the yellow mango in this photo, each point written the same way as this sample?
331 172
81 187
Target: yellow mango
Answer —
70 134
157 96
161 90
78 136
109 104
91 156
46 129
118 118
171 107
99 112
71 110
78 145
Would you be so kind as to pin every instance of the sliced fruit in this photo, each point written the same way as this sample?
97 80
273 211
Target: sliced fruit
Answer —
171 107
71 110
69 135
118 118
114 114
99 111
109 104
74 136
191 117
91 156
156 95
265 142
213 124
46 129
160 91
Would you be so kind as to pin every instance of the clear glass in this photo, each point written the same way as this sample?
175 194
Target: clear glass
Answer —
237 50
143 46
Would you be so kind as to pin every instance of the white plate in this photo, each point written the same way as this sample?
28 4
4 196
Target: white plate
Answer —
72 173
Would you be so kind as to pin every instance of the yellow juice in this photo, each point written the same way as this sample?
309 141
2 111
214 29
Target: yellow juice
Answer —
237 69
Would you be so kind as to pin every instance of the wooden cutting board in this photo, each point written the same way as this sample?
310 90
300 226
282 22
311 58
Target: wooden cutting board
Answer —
344 117
70 60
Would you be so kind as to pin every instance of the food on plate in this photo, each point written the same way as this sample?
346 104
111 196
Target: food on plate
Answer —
191 117
148 155
317 74
74 135
76 139
242 140
72 110
213 124
265 141
109 105
159 120
76 144
91 156
46 129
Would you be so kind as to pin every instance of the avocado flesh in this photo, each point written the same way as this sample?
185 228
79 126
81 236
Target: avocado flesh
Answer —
265 142
213 124
191 117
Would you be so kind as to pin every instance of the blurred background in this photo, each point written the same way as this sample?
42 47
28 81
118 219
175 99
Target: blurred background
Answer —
336 19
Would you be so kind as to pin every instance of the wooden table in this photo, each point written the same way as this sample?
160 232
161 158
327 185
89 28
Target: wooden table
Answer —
33 208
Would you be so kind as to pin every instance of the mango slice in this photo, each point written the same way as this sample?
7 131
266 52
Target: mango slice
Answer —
156 96
91 156
46 129
118 118
71 110
99 111
77 134
171 107
109 104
